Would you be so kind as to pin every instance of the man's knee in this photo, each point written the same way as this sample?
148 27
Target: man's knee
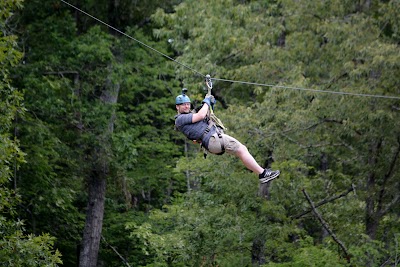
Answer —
242 149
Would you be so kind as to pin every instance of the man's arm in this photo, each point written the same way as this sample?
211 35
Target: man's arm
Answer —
201 114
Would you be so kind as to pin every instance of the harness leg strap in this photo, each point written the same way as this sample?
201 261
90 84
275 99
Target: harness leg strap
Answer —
221 142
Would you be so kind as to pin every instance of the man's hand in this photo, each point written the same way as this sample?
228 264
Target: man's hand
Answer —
207 100
212 101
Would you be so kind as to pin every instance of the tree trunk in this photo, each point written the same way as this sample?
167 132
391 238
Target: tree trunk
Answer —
371 225
94 222
101 157
372 219
257 251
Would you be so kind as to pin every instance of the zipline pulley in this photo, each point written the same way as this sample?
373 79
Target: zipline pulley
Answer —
209 84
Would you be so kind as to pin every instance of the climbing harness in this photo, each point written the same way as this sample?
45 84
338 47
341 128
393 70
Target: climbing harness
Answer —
219 132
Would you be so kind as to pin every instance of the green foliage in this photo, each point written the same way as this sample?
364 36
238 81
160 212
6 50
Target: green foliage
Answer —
64 77
309 255
144 123
207 226
369 252
16 247
11 100
189 211
115 237
321 142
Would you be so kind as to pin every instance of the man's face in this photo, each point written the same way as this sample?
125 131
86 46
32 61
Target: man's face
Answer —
183 108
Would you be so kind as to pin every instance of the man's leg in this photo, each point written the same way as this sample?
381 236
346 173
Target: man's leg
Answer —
248 160
233 146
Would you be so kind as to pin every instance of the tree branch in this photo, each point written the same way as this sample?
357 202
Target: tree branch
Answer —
116 252
323 202
394 201
316 145
383 211
325 225
312 126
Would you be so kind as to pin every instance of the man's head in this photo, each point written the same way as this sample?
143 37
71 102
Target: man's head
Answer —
182 102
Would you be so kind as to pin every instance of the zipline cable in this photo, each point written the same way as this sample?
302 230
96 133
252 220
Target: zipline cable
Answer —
307 89
226 80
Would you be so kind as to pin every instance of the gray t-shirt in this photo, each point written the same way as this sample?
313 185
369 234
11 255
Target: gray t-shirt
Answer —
193 131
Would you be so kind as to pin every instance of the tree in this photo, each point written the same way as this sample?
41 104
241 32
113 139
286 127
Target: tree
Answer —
80 137
17 247
323 46
99 118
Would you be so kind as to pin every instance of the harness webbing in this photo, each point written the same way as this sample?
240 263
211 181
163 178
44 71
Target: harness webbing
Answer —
213 120
212 124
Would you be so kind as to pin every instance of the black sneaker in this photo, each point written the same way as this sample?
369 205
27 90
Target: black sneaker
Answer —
268 175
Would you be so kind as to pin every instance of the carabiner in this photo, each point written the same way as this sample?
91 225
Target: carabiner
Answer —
209 82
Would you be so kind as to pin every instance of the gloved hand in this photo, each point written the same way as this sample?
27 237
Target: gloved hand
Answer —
212 101
207 100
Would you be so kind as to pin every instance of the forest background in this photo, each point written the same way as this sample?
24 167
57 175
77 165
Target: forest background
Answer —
92 172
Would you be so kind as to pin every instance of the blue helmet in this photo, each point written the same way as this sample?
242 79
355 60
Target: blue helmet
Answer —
183 98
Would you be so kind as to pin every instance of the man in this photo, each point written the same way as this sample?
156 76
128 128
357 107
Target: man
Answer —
200 128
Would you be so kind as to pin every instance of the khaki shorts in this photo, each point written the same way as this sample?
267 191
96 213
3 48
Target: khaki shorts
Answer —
231 144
